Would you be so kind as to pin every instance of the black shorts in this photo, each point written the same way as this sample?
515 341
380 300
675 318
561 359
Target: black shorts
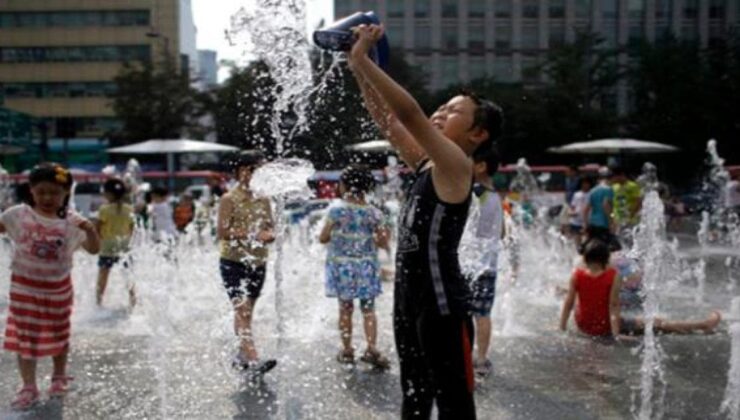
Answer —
241 279
109 262
630 326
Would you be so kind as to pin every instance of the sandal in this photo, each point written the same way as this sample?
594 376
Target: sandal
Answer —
376 359
59 386
25 398
346 357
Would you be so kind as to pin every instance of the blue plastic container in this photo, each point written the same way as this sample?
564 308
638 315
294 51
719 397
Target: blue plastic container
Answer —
338 36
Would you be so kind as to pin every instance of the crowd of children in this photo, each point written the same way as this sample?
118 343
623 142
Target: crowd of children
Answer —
438 305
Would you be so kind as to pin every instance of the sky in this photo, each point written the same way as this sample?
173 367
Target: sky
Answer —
212 18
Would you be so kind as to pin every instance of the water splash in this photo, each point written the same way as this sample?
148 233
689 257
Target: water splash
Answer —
282 180
731 402
6 190
274 32
651 245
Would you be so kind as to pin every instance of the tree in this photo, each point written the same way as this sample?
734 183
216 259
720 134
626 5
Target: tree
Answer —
156 101
569 106
243 108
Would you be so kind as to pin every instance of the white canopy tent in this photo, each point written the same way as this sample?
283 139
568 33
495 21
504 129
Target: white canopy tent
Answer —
613 146
171 147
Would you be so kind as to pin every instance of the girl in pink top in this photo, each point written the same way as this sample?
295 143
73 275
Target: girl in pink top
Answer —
45 235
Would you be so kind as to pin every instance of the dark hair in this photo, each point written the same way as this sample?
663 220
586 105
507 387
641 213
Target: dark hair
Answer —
115 187
585 179
160 191
491 158
617 170
246 158
55 174
357 179
596 251
488 116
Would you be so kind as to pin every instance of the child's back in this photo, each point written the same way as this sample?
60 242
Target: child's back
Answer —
116 226
593 290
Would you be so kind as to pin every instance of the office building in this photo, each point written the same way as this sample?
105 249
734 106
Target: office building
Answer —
58 59
208 68
460 40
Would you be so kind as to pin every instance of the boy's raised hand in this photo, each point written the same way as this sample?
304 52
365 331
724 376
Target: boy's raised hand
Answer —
367 36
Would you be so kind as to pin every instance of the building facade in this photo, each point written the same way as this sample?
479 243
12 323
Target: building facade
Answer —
208 68
460 40
58 58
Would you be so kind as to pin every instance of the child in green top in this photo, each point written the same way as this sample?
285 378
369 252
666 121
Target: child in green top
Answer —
115 225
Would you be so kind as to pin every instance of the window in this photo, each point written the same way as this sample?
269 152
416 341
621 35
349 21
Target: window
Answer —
583 9
477 68
394 32
636 10
663 9
717 9
449 38
395 8
557 9
369 5
58 90
476 8
609 32
716 35
343 8
530 68
690 33
422 37
421 8
449 71
502 69
75 54
636 34
690 9
530 37
476 39
503 37
663 31
74 19
609 9
449 8
556 36
502 8
531 9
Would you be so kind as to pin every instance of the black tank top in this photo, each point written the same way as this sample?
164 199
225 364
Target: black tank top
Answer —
427 266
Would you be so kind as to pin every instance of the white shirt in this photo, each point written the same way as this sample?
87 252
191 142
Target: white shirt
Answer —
482 237
732 194
578 203
163 222
43 246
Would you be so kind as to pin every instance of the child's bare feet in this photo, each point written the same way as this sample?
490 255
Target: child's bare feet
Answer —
711 322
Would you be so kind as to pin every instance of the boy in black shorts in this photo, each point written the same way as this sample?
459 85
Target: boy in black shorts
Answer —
244 230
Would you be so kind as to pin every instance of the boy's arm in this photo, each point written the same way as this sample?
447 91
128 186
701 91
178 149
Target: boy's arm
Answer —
451 165
408 150
570 300
614 306
2 228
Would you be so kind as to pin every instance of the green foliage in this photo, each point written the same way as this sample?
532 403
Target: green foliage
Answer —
243 108
156 101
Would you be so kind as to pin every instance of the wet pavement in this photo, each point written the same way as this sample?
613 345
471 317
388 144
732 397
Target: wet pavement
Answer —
169 358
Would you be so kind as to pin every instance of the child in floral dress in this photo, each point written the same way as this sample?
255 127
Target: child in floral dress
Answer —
354 230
